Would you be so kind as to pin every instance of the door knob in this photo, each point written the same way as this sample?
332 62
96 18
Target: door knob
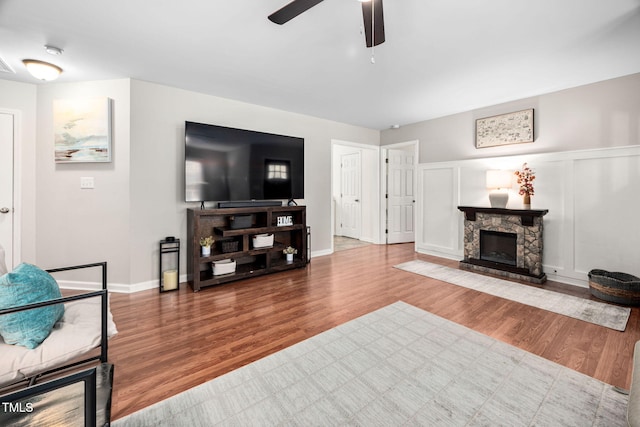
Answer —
357 200
5 210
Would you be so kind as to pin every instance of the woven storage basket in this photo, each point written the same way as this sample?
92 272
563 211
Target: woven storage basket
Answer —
621 288
227 245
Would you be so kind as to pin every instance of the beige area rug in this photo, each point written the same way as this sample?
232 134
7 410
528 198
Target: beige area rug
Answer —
607 315
396 366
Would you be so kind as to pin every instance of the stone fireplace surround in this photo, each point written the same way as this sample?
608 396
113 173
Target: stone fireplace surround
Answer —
526 224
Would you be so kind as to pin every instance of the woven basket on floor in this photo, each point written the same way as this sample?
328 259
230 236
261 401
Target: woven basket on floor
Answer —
621 288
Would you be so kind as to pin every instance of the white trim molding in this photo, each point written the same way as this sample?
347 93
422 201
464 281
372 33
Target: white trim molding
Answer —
590 194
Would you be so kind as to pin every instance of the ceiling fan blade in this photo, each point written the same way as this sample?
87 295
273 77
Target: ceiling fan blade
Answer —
377 19
291 10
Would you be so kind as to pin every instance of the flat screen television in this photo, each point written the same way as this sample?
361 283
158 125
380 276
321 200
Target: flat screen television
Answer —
225 164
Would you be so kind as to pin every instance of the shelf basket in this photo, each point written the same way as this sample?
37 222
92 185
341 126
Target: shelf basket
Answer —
263 240
225 266
227 245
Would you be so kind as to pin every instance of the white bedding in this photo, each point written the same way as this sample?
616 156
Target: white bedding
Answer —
76 333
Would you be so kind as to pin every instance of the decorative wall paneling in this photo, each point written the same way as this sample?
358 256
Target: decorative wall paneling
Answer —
592 197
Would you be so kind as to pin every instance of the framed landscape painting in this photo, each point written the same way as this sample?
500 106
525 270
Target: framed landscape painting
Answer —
82 130
510 128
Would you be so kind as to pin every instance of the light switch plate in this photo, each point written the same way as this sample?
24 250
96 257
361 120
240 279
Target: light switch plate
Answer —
86 182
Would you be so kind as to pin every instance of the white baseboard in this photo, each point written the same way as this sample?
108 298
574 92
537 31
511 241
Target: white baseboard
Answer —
141 286
80 286
321 253
441 254
568 280
115 287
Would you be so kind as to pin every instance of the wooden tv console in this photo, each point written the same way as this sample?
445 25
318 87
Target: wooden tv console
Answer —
288 225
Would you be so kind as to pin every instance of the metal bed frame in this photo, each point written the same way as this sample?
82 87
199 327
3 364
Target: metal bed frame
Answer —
27 388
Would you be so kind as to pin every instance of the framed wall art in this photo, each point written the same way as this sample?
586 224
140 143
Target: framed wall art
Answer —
82 130
510 128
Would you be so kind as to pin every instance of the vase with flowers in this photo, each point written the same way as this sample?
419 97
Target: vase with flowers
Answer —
205 244
526 176
289 252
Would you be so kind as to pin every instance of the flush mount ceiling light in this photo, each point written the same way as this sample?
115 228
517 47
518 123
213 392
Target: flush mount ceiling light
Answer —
42 70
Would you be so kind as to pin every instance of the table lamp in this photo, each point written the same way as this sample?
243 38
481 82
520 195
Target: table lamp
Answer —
499 182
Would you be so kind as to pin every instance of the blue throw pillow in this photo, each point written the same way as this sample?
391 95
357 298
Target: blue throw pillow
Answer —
25 285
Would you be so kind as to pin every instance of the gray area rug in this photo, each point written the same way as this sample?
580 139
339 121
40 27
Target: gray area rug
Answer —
607 315
396 366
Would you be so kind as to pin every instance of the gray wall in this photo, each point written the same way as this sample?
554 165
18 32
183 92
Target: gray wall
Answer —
138 198
158 114
586 156
604 114
73 225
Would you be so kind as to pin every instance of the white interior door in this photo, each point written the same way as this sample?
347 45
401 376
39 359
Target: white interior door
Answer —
400 196
350 189
6 186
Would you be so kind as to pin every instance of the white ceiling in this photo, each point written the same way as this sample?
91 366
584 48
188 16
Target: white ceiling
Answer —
440 56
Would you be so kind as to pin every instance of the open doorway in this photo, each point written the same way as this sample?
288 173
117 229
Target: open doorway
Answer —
355 194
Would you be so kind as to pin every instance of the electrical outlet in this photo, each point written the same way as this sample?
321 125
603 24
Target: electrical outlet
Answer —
86 182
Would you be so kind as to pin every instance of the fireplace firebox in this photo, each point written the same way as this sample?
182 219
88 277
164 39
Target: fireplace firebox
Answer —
499 247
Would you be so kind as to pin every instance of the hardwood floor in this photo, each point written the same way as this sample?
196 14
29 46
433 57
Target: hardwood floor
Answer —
168 343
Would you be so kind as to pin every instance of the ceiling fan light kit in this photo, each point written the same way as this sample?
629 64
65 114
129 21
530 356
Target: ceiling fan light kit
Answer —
371 13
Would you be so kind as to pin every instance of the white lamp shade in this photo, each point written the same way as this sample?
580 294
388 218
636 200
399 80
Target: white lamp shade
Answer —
42 70
499 179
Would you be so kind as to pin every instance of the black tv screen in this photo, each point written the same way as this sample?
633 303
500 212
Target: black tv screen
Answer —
227 164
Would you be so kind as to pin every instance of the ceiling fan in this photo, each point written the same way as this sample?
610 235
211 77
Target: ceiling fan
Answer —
371 12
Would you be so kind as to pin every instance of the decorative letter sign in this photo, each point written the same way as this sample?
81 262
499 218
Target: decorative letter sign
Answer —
284 221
